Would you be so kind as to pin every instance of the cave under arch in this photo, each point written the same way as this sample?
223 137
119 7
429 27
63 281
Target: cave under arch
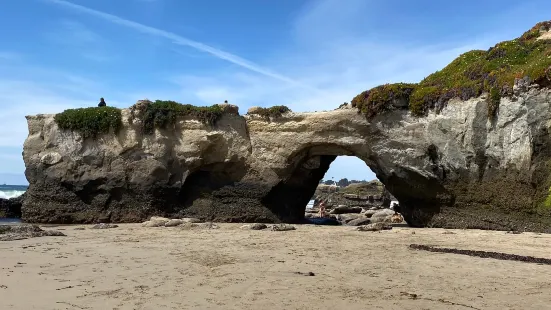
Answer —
420 196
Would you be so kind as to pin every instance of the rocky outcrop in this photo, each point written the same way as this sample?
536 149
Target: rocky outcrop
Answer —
11 208
455 168
364 195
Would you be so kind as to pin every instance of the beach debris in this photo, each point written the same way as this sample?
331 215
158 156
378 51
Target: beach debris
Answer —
283 227
79 228
308 274
409 295
374 227
25 231
483 254
104 226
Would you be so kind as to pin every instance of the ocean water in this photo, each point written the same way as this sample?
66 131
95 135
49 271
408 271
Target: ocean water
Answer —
12 191
4 221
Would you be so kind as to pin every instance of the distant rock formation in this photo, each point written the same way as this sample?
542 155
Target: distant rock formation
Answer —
366 195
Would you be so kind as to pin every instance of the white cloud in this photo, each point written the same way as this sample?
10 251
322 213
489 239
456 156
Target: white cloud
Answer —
176 39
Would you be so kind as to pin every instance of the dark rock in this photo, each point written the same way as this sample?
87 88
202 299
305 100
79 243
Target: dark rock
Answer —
11 207
359 221
346 209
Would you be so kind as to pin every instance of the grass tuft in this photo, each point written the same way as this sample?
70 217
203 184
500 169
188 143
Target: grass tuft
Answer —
271 112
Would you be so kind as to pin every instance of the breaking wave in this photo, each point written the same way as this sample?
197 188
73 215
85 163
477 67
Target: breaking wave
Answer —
11 191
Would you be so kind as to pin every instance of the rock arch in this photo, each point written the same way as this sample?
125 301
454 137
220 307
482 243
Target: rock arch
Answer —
454 168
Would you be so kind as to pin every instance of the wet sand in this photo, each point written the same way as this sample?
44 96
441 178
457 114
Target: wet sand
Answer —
132 267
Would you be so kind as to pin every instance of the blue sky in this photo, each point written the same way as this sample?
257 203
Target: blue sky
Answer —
308 55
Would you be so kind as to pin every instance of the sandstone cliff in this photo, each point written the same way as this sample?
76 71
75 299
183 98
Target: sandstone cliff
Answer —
454 168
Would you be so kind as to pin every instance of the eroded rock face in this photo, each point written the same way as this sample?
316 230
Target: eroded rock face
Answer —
452 169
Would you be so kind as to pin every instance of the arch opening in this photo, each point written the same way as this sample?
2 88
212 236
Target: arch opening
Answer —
419 197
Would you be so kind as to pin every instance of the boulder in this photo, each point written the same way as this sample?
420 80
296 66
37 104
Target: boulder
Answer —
159 218
255 226
154 223
283 227
384 216
174 222
369 213
374 227
25 231
359 222
345 218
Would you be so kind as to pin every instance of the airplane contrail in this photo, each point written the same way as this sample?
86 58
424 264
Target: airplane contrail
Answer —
178 40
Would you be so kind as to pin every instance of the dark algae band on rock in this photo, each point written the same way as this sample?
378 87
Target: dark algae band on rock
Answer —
457 168
472 73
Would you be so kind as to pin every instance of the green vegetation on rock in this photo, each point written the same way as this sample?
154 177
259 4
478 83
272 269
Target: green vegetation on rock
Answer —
90 122
272 112
162 113
493 71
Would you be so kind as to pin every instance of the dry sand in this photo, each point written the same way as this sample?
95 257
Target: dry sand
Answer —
132 267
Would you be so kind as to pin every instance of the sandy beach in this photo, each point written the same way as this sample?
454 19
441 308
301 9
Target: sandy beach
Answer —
133 267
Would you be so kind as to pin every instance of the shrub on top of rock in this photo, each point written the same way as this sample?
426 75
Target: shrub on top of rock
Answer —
90 122
472 73
164 113
272 112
